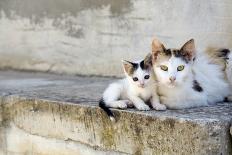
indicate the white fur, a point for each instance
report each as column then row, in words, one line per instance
column 127, row 92
column 229, row 73
column 229, row 68
column 181, row 94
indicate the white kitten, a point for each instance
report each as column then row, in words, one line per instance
column 186, row 78
column 138, row 87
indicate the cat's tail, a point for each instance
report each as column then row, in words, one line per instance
column 224, row 54
column 220, row 56
column 102, row 105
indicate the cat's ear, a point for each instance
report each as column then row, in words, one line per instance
column 128, row 67
column 188, row 50
column 157, row 48
column 148, row 61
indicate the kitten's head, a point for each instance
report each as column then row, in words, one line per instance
column 172, row 66
column 139, row 73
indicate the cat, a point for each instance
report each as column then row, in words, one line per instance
column 138, row 87
column 187, row 78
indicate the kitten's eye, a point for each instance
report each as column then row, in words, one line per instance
column 180, row 68
column 146, row 76
column 135, row 79
column 164, row 68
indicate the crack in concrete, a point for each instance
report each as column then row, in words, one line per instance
column 95, row 147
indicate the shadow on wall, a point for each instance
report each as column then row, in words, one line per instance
column 60, row 10
column 55, row 8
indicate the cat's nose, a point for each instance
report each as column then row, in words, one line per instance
column 172, row 78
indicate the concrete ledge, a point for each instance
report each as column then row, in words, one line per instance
column 47, row 114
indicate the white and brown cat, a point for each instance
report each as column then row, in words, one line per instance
column 187, row 78
column 138, row 87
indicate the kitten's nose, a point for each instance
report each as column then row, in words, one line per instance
column 141, row 84
column 172, row 78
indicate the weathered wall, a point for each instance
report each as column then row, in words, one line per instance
column 91, row 37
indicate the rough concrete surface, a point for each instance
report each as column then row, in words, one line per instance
column 55, row 114
column 91, row 37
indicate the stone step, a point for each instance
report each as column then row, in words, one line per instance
column 57, row 114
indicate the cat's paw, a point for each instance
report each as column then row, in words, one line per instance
column 159, row 107
column 143, row 107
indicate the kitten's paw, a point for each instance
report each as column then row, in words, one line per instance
column 229, row 98
column 159, row 107
column 143, row 107
column 122, row 104
column 129, row 103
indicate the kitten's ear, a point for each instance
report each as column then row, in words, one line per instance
column 128, row 67
column 157, row 47
column 148, row 61
column 188, row 50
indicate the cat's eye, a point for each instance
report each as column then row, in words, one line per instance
column 180, row 68
column 146, row 76
column 135, row 79
column 164, row 68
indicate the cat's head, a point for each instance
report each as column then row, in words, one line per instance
column 140, row 72
column 172, row 66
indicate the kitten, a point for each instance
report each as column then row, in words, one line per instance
column 135, row 89
column 186, row 78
